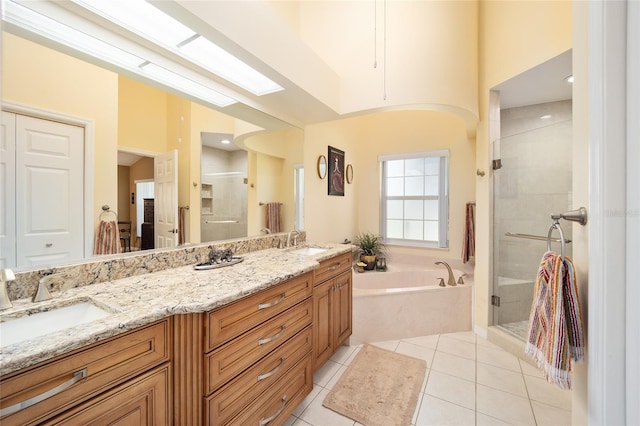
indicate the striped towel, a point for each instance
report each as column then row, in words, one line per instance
column 107, row 238
column 273, row 217
column 555, row 333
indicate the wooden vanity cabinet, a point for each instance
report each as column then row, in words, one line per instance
column 332, row 307
column 257, row 360
column 98, row 379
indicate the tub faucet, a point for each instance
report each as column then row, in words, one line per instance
column 265, row 230
column 452, row 279
column 6, row 275
column 294, row 233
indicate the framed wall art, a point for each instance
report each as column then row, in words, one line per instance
column 336, row 171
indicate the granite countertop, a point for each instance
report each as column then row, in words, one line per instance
column 143, row 299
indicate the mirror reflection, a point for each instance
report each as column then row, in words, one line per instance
column 143, row 152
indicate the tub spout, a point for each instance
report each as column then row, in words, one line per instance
column 452, row 279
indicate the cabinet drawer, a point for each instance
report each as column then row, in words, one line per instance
column 228, row 361
column 141, row 401
column 274, row 406
column 230, row 321
column 232, row 398
column 331, row 267
column 103, row 365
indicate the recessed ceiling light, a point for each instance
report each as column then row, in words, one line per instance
column 225, row 141
column 546, row 117
column 569, row 79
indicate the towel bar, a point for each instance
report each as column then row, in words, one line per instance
column 534, row 237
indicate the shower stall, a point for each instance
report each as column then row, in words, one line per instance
column 532, row 179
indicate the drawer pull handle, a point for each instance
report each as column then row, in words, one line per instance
column 274, row 303
column 333, row 267
column 274, row 337
column 263, row 421
column 77, row 376
column 274, row 371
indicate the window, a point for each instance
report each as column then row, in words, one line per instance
column 415, row 198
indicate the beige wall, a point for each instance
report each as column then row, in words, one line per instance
column 37, row 76
column 365, row 137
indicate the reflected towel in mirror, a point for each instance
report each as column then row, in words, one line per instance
column 107, row 238
column 273, row 217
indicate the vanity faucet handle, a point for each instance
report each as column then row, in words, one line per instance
column 441, row 283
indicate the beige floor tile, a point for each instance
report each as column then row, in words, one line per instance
column 414, row 419
column 434, row 411
column 290, row 421
column 325, row 373
column 466, row 336
column 342, row 354
column 336, row 377
column 353, row 355
column 300, row 422
column 484, row 420
column 541, row 391
column 317, row 415
column 307, row 401
column 484, row 342
column 501, row 379
column 547, row 415
column 426, row 341
column 504, row 406
column 416, row 351
column 498, row 358
column 454, row 365
column 389, row 345
column 452, row 389
column 530, row 370
column 457, row 347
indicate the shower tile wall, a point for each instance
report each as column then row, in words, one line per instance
column 225, row 171
column 534, row 181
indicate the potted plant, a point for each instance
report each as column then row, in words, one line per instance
column 371, row 246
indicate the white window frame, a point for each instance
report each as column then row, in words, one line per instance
column 442, row 197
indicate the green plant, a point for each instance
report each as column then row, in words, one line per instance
column 370, row 244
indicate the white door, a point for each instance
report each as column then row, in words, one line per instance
column 166, row 199
column 8, row 191
column 49, row 197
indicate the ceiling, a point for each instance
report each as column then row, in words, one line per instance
column 543, row 83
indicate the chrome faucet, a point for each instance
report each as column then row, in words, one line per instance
column 6, row 275
column 452, row 279
column 43, row 292
column 295, row 234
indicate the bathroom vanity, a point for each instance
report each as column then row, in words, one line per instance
column 236, row 345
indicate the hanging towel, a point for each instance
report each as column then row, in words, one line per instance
column 273, row 217
column 469, row 237
column 555, row 334
column 181, row 219
column 107, row 239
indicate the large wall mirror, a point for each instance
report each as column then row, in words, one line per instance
column 126, row 124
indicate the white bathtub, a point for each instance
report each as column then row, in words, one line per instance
column 406, row 301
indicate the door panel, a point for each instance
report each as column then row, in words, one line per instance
column 8, row 190
column 166, row 199
column 49, row 191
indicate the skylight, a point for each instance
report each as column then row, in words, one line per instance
column 146, row 20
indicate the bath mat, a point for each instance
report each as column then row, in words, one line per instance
column 379, row 388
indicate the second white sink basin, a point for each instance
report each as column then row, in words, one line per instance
column 309, row 250
column 42, row 323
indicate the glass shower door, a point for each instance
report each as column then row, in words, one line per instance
column 533, row 181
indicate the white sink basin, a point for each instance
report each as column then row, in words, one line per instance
column 42, row 323
column 309, row 250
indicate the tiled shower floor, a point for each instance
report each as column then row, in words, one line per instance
column 469, row 381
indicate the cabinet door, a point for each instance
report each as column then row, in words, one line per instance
column 322, row 322
column 142, row 401
column 342, row 308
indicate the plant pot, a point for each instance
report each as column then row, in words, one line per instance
column 369, row 260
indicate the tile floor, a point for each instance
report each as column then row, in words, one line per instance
column 469, row 381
